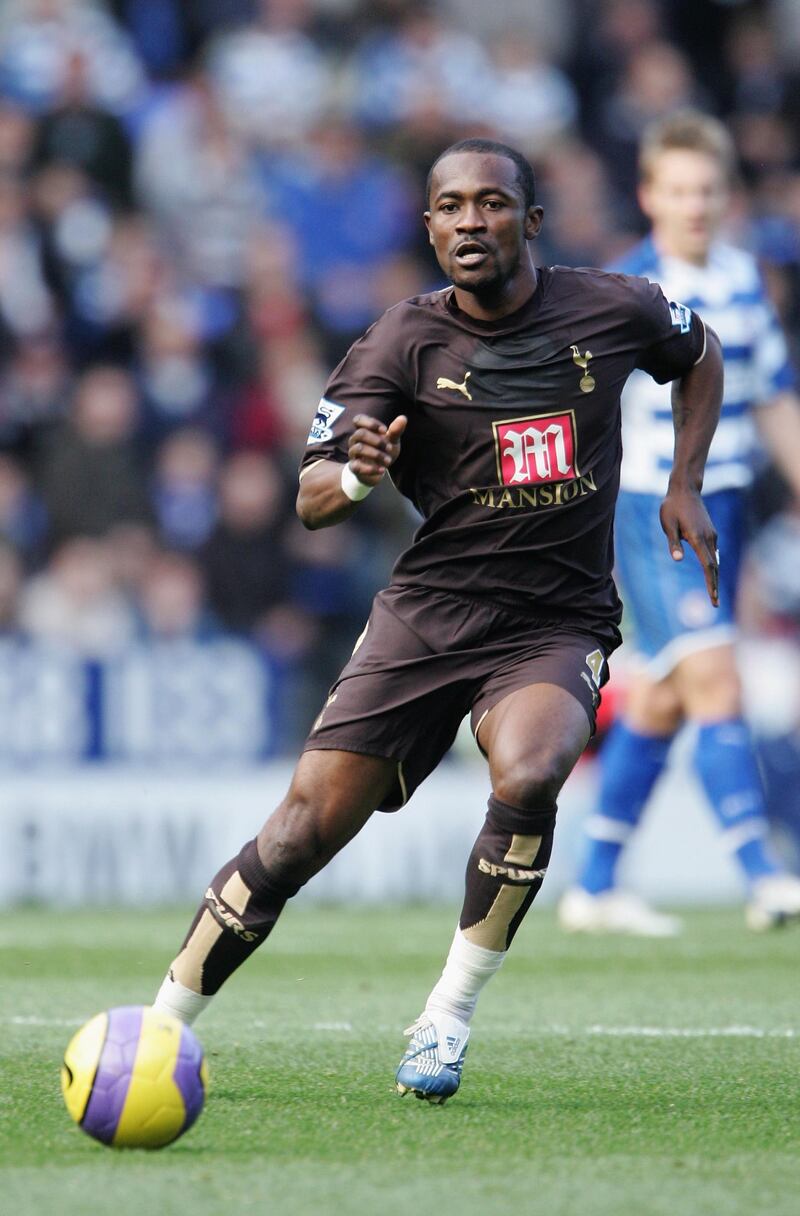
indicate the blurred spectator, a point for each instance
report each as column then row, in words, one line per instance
column 79, row 132
column 349, row 211
column 333, row 580
column 132, row 547
column 37, row 38
column 271, row 79
column 760, row 81
column 276, row 307
column 582, row 209
column 74, row 602
column 158, row 29
column 23, row 519
column 657, row 80
column 11, row 582
column 172, row 603
column 184, row 489
column 255, row 412
column 700, row 29
column 33, row 391
column 285, row 372
column 549, row 23
column 174, row 370
column 531, row 102
column 113, row 293
column 423, row 70
column 245, row 560
column 608, row 33
column 206, row 17
column 89, row 471
column 26, row 307
column 196, row 175
column 770, row 597
column 75, row 227
column 16, row 138
column 766, row 143
column 298, row 377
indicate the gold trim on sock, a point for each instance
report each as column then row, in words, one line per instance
column 187, row 968
column 491, row 932
column 523, row 850
column 236, row 893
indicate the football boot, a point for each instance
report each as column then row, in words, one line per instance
column 432, row 1064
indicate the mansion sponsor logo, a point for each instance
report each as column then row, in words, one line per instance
column 536, row 450
column 499, row 498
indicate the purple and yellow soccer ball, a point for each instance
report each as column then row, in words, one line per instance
column 133, row 1077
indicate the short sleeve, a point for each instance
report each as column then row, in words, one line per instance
column 372, row 379
column 673, row 337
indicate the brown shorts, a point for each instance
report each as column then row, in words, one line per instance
column 427, row 658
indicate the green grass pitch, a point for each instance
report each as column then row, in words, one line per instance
column 605, row 1076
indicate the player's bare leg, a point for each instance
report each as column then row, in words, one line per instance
column 331, row 797
column 533, row 739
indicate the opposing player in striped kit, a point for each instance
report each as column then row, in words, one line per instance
column 687, row 670
column 493, row 405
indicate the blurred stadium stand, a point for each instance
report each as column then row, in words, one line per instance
column 202, row 203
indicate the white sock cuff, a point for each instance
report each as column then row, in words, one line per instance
column 463, row 950
column 467, row 969
column 175, row 998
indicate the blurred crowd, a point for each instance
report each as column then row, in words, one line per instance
column 203, row 202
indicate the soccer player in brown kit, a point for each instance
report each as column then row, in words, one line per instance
column 493, row 405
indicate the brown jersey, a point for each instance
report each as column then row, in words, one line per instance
column 512, row 449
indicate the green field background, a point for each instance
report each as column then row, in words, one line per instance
column 606, row 1077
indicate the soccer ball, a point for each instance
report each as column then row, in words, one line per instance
column 134, row 1077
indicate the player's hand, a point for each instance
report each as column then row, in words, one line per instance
column 374, row 447
column 685, row 518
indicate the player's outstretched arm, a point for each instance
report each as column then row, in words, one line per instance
column 696, row 401
column 329, row 491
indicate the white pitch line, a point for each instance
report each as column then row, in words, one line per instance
column 33, row 1020
column 595, row 1030
column 679, row 1032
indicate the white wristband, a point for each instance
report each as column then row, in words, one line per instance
column 352, row 487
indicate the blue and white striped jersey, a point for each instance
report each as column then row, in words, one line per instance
column 728, row 293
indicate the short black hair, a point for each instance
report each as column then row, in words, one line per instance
column 525, row 176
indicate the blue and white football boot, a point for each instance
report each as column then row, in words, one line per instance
column 431, row 1067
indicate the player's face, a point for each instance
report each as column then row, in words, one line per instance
column 685, row 199
column 478, row 222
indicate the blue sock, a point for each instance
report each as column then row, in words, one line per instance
column 726, row 763
column 630, row 765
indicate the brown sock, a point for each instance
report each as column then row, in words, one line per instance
column 505, row 871
column 239, row 910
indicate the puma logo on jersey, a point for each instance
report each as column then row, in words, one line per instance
column 587, row 382
column 443, row 382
